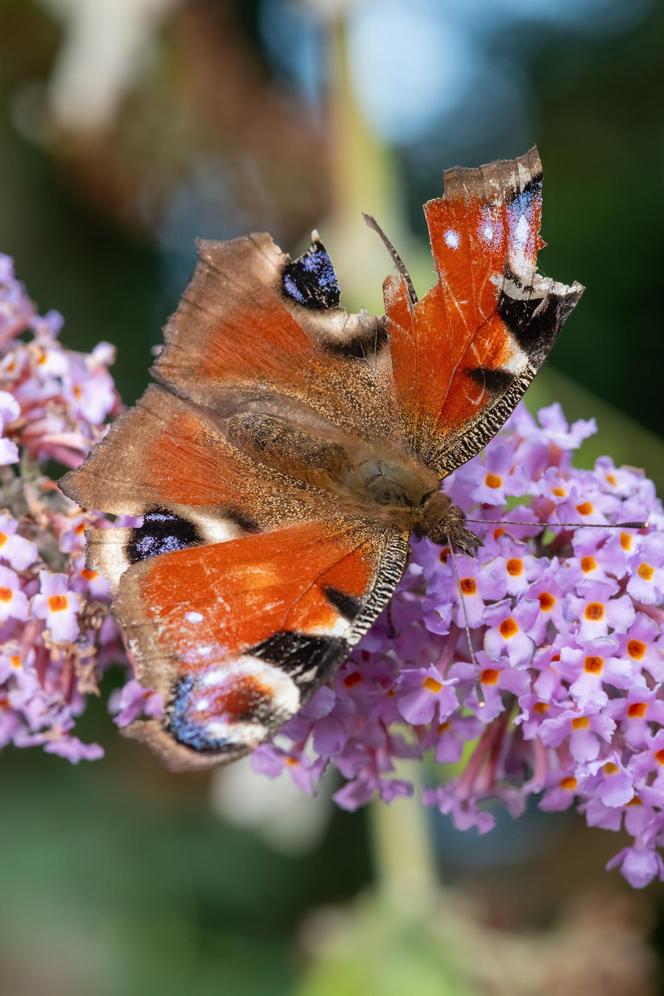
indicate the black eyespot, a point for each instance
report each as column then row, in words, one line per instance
column 311, row 281
column 162, row 532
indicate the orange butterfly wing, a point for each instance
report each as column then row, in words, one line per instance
column 238, row 635
column 237, row 339
column 463, row 356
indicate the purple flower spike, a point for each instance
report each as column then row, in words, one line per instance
column 56, row 634
column 560, row 694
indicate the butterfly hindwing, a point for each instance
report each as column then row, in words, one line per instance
column 238, row 635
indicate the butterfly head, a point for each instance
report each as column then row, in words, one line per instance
column 443, row 522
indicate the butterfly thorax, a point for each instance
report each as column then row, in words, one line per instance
column 378, row 480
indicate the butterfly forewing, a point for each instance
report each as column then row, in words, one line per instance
column 463, row 356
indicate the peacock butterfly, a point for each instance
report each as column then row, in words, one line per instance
column 289, row 449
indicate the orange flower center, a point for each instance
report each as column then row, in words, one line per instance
column 610, row 768
column 6, row 594
column 468, row 586
column 588, row 564
column 612, row 479
column 547, row 601
column 432, row 685
column 594, row 611
column 659, row 756
column 593, row 665
column 354, row 678
column 493, row 480
column 497, row 533
column 541, row 707
column 88, row 574
column 569, row 783
column 585, row 508
column 636, row 649
column 444, row 554
column 637, row 710
column 3, row 538
column 559, row 492
column 489, row 676
column 57, row 603
column 626, row 541
column 646, row 571
column 580, row 723
column 508, row 628
column 515, row 567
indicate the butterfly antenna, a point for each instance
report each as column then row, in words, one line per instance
column 396, row 258
column 566, row 525
column 466, row 624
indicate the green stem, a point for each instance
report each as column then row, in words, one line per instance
column 404, row 858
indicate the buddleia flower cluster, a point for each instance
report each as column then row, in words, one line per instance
column 533, row 669
column 538, row 663
column 56, row 633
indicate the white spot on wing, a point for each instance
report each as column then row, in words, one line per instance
column 452, row 239
column 339, row 627
column 516, row 362
column 193, row 617
column 213, row 528
column 522, row 231
column 242, row 734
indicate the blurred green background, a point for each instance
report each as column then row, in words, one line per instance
column 128, row 128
